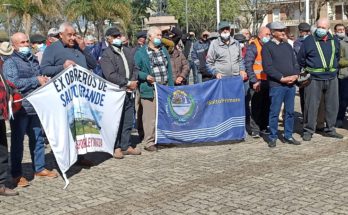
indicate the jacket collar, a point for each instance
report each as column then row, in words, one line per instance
column 221, row 43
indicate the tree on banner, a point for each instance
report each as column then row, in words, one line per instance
column 212, row 111
column 80, row 113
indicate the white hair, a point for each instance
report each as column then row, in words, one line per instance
column 63, row 26
column 152, row 30
column 323, row 21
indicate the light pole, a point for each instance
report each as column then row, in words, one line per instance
column 186, row 16
column 8, row 19
column 217, row 13
column 307, row 11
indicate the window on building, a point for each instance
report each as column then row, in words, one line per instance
column 338, row 12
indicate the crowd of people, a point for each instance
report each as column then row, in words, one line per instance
column 272, row 65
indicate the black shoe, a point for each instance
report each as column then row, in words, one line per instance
column 292, row 141
column 307, row 137
column 272, row 143
column 265, row 132
column 333, row 134
column 255, row 134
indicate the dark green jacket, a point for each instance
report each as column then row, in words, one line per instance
column 343, row 73
column 142, row 60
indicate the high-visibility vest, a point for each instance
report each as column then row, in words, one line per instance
column 325, row 68
column 257, row 67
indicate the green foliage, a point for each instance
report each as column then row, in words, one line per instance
column 202, row 14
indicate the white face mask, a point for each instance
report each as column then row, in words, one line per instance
column 341, row 35
column 225, row 36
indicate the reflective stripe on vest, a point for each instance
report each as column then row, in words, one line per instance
column 323, row 60
column 257, row 66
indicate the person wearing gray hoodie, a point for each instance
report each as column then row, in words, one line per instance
column 224, row 56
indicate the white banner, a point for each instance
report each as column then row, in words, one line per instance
column 80, row 113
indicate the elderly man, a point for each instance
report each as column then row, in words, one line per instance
column 259, row 86
column 22, row 69
column 279, row 64
column 200, row 46
column 5, row 95
column 70, row 49
column 340, row 33
column 225, row 55
column 52, row 36
column 319, row 55
column 153, row 61
column 118, row 67
column 246, row 34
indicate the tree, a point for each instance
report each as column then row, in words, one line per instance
column 202, row 14
column 96, row 12
column 26, row 9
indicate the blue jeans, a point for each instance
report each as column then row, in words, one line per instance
column 278, row 95
column 197, row 77
column 30, row 125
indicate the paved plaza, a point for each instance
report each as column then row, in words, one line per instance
column 226, row 178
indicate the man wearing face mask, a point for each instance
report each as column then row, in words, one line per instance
column 22, row 69
column 117, row 63
column 38, row 45
column 225, row 55
column 319, row 55
column 340, row 33
column 279, row 64
column 153, row 61
column 199, row 46
column 70, row 49
column 259, row 86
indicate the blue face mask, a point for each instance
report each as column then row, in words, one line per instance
column 41, row 47
column 117, row 42
column 24, row 50
column 265, row 40
column 157, row 42
column 321, row 32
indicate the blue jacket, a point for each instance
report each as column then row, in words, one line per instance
column 56, row 54
column 97, row 52
column 198, row 47
column 308, row 56
column 297, row 44
column 142, row 60
column 249, row 61
column 23, row 72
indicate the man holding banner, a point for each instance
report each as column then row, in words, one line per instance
column 22, row 69
column 69, row 50
column 153, row 61
column 117, row 63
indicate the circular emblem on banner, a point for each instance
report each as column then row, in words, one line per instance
column 181, row 106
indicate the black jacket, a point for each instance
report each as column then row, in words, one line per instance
column 114, row 69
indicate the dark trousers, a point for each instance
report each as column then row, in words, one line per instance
column 278, row 95
column 3, row 153
column 313, row 94
column 260, row 104
column 343, row 102
column 126, row 123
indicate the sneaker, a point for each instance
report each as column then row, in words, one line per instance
column 272, row 143
column 333, row 134
column 307, row 137
column 339, row 124
column 118, row 153
column 292, row 141
column 20, row 181
column 255, row 134
column 265, row 132
column 4, row 191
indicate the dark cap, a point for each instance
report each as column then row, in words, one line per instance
column 141, row 34
column 224, row 24
column 112, row 32
column 304, row 27
column 37, row 38
column 240, row 38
